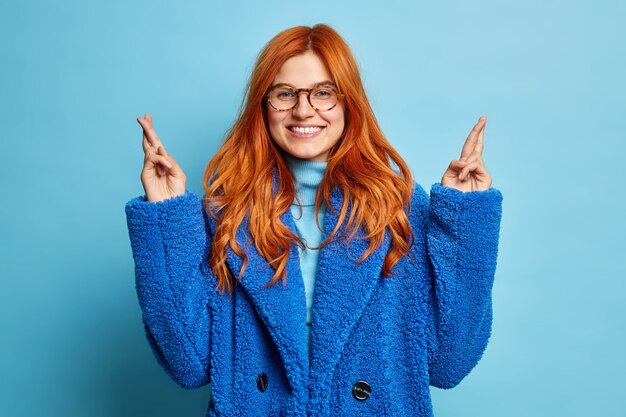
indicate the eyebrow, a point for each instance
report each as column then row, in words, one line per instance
column 321, row 83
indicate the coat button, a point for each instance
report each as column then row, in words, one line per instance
column 361, row 390
column 261, row 382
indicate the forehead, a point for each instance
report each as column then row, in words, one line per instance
column 303, row 71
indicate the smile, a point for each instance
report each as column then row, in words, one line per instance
column 308, row 131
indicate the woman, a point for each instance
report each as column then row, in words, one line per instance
column 383, row 289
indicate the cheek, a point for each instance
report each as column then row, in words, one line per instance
column 274, row 120
column 337, row 119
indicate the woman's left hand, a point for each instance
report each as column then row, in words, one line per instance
column 469, row 173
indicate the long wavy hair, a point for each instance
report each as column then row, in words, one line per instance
column 238, row 180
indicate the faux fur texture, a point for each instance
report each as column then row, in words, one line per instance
column 427, row 325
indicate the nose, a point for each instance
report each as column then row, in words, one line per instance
column 303, row 108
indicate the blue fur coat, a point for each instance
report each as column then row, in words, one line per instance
column 377, row 343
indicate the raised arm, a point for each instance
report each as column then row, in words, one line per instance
column 462, row 244
column 170, row 242
column 462, row 222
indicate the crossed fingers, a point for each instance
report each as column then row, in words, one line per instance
column 473, row 162
column 151, row 141
column 152, row 146
column 475, row 140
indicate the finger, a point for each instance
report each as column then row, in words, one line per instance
column 163, row 149
column 474, row 156
column 161, row 168
column 151, row 134
column 145, row 144
column 148, row 119
column 457, row 165
column 148, row 129
column 147, row 148
column 480, row 141
column 160, row 151
column 146, row 124
column 476, row 166
column 470, row 142
column 153, row 160
column 157, row 143
column 176, row 171
column 472, row 138
column 455, row 168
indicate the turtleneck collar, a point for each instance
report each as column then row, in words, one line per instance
column 307, row 176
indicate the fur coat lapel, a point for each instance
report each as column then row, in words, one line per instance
column 342, row 290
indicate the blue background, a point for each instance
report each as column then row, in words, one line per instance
column 549, row 76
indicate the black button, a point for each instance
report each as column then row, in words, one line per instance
column 261, row 382
column 361, row 390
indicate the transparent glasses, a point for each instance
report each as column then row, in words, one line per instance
column 283, row 97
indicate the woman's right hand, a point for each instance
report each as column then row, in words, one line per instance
column 162, row 177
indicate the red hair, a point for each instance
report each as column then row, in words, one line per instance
column 238, row 179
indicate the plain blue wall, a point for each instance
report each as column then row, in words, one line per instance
column 549, row 76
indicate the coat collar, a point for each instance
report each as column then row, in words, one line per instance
column 342, row 290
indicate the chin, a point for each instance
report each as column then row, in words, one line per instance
column 306, row 155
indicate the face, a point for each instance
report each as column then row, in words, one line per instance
column 286, row 127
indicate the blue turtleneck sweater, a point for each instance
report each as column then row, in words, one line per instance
column 307, row 176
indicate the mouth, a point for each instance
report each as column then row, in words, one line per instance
column 305, row 131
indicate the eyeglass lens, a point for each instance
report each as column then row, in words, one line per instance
column 322, row 98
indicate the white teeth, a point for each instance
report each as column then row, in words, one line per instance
column 305, row 130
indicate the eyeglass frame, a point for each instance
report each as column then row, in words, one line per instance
column 298, row 91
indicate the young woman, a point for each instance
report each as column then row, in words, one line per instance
column 315, row 277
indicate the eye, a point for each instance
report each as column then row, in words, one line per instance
column 323, row 93
column 283, row 94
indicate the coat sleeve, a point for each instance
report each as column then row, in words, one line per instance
column 169, row 241
column 461, row 236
